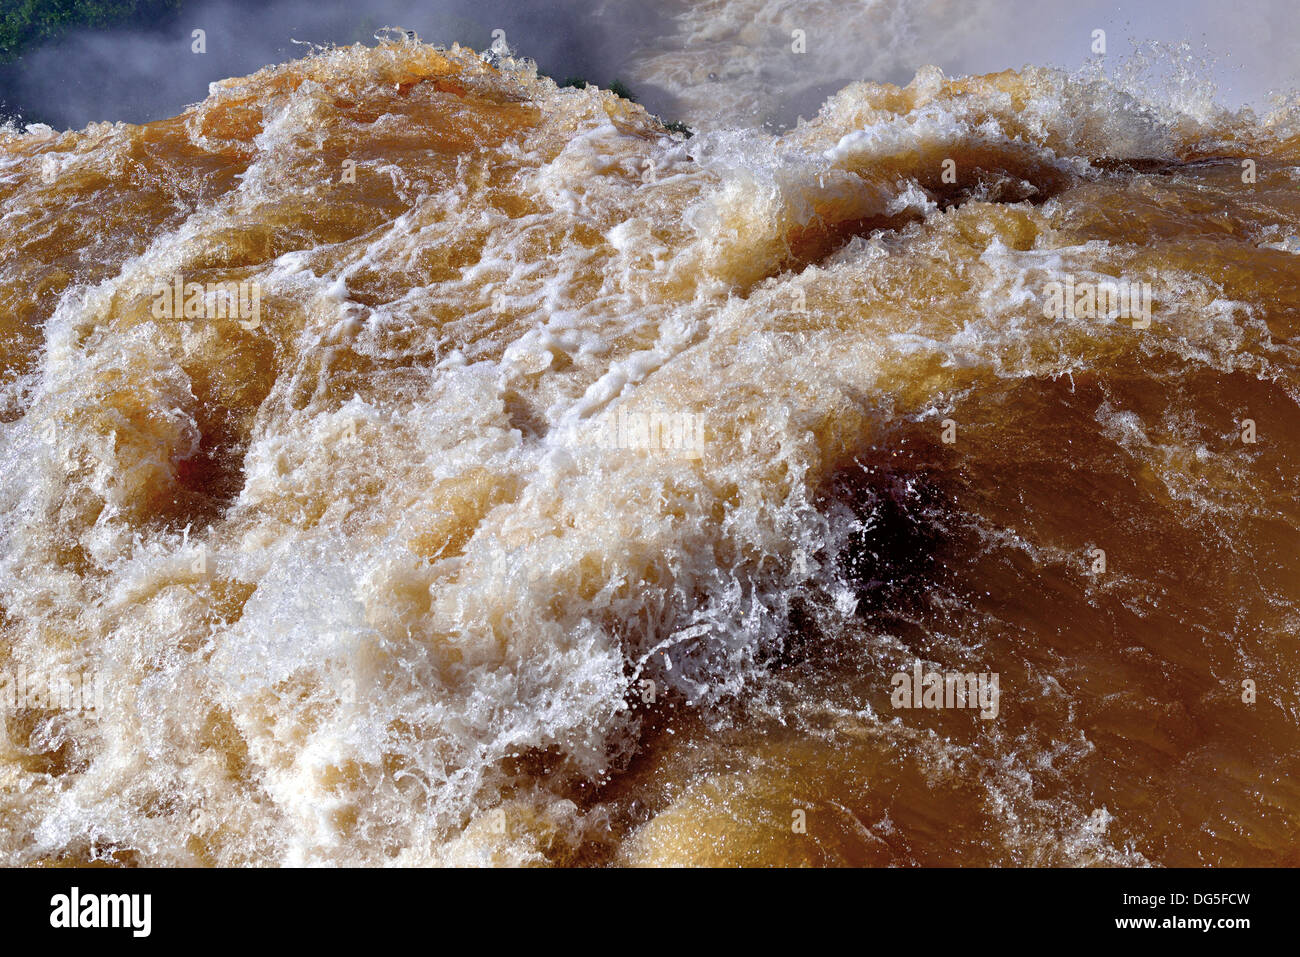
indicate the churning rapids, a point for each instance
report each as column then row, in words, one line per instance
column 427, row 464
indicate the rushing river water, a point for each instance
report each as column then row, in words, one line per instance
column 422, row 463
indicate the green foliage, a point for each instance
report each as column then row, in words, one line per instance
column 577, row 81
column 676, row 126
column 619, row 88
column 27, row 23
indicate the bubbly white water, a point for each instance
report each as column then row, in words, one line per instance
column 368, row 580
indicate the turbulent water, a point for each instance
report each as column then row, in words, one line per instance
column 388, row 569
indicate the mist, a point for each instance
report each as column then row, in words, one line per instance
column 704, row 62
column 139, row 75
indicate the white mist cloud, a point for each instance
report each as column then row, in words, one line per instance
column 708, row 61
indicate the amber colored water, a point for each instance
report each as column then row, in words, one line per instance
column 364, row 585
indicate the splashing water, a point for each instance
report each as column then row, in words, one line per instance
column 575, row 489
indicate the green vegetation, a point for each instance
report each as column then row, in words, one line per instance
column 27, row 23
column 619, row 88
column 679, row 127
